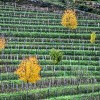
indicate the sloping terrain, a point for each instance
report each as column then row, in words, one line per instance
column 32, row 32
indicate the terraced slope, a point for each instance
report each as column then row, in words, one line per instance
column 29, row 33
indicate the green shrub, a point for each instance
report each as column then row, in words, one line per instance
column 56, row 55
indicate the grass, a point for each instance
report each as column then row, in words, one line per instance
column 43, row 93
column 77, row 97
column 12, row 76
column 42, row 26
column 46, row 34
column 40, row 57
column 43, row 19
column 59, row 67
column 28, row 12
column 43, row 51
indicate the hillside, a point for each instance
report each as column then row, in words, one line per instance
column 34, row 31
column 92, row 6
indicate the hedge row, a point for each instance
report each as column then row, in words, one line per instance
column 41, row 46
column 49, row 62
column 49, row 34
column 45, row 52
column 56, row 67
column 43, row 19
column 45, row 26
column 12, row 76
column 52, row 92
column 88, row 96
column 47, row 57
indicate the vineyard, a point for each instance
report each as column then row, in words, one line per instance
column 33, row 32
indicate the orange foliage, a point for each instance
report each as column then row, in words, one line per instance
column 69, row 19
column 2, row 43
column 29, row 70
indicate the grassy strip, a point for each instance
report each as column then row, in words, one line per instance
column 73, row 43
column 49, row 62
column 47, row 39
column 42, row 46
column 59, row 67
column 52, row 92
column 44, row 51
column 44, row 83
column 45, row 22
column 39, row 16
column 48, row 47
column 31, row 16
column 12, row 76
column 49, row 30
column 56, row 43
column 29, row 12
column 87, row 96
column 28, row 19
column 40, row 39
column 42, row 26
column 47, row 57
column 16, row 81
column 48, row 35
column 43, row 19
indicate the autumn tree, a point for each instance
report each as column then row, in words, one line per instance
column 2, row 43
column 69, row 19
column 93, row 37
column 28, row 70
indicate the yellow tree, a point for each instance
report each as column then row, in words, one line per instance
column 2, row 43
column 69, row 19
column 93, row 37
column 28, row 70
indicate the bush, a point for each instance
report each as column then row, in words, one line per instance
column 56, row 55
